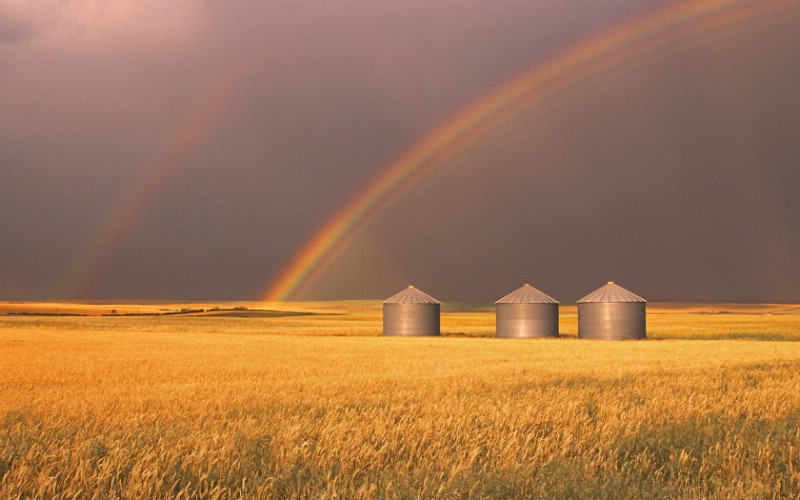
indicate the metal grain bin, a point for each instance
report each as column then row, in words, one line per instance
column 612, row 313
column 527, row 313
column 410, row 313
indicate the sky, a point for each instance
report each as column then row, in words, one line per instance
column 190, row 149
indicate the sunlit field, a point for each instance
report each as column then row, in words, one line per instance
column 242, row 400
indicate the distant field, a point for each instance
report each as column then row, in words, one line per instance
column 242, row 402
column 363, row 318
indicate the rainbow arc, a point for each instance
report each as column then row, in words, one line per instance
column 577, row 64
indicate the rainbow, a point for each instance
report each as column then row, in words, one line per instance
column 614, row 47
column 97, row 255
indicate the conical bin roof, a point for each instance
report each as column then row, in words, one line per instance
column 611, row 292
column 411, row 295
column 527, row 294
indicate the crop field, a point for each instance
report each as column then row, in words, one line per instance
column 269, row 400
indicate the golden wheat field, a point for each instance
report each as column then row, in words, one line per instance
column 234, row 400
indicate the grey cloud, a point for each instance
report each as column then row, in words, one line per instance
column 14, row 29
column 670, row 157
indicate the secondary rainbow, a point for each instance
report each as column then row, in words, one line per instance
column 614, row 47
column 133, row 204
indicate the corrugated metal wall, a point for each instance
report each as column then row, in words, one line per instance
column 527, row 320
column 411, row 320
column 612, row 320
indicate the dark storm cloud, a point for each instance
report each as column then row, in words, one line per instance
column 334, row 92
column 660, row 175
